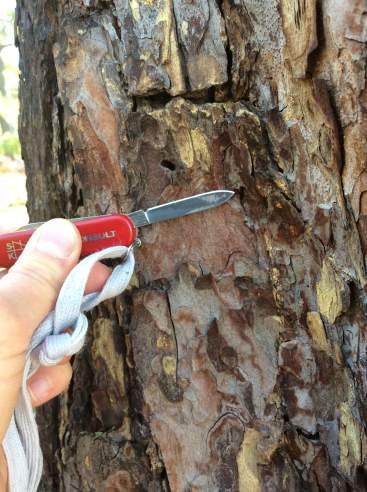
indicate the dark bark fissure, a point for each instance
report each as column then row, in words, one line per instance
column 142, row 439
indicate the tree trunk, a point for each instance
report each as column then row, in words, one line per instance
column 237, row 360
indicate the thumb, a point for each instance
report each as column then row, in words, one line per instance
column 29, row 290
column 27, row 294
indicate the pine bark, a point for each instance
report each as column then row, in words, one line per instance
column 237, row 359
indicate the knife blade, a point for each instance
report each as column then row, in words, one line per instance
column 180, row 208
column 103, row 231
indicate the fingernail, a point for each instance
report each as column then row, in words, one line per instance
column 39, row 389
column 57, row 238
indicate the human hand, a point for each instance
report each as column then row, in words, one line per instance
column 28, row 292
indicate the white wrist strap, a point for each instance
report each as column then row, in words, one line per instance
column 49, row 345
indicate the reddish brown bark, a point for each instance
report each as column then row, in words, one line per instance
column 237, row 360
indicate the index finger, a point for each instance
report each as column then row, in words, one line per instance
column 96, row 281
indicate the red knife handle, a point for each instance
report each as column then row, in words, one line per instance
column 97, row 233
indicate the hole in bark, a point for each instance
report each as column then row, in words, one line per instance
column 308, row 435
column 314, row 56
column 204, row 282
column 168, row 165
column 361, row 476
column 80, row 202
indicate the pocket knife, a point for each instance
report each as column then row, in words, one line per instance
column 103, row 231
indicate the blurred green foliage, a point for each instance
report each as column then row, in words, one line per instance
column 9, row 142
column 9, row 145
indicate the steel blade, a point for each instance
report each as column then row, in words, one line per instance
column 180, row 208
